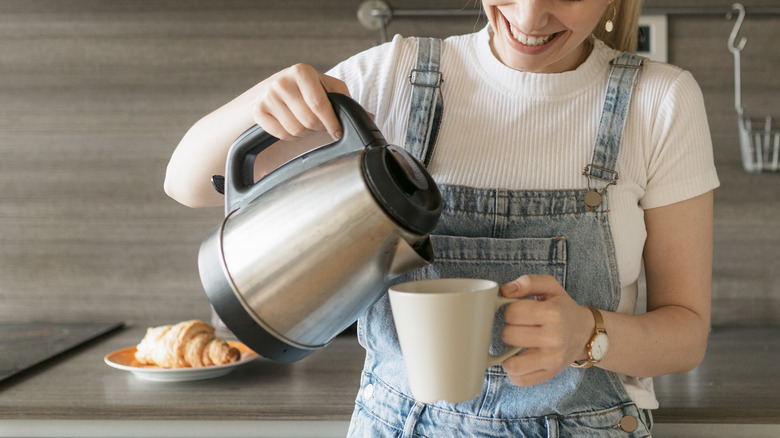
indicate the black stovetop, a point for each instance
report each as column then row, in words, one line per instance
column 26, row 344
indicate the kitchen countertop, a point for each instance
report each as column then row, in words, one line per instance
column 314, row 397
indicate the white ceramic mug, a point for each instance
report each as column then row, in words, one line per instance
column 444, row 328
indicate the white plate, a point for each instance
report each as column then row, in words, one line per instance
column 124, row 360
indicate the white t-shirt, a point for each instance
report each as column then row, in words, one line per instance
column 536, row 132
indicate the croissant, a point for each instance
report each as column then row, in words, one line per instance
column 186, row 344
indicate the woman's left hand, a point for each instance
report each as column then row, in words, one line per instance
column 552, row 328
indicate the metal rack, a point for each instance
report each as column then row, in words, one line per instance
column 759, row 142
column 377, row 15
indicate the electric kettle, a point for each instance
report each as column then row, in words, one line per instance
column 305, row 250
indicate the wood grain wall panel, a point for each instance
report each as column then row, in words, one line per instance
column 94, row 96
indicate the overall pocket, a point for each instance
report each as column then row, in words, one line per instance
column 500, row 260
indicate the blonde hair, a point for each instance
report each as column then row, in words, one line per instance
column 626, row 21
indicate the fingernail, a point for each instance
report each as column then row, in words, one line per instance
column 509, row 288
column 338, row 134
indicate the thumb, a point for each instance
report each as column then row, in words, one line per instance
column 539, row 286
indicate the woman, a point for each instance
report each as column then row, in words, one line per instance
column 529, row 102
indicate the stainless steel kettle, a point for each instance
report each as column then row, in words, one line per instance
column 306, row 249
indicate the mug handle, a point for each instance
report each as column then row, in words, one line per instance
column 495, row 360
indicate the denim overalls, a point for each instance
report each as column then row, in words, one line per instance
column 499, row 235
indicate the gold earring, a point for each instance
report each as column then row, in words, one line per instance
column 609, row 26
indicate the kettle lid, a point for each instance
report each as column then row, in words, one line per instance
column 403, row 188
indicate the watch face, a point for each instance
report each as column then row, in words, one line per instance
column 599, row 346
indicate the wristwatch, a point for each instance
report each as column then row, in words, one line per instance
column 597, row 345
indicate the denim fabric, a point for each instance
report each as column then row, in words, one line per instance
column 500, row 235
column 382, row 411
column 426, row 79
column 613, row 116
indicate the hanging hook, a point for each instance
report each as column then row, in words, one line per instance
column 740, row 9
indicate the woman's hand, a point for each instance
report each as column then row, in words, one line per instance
column 552, row 328
column 293, row 103
column 289, row 105
column 671, row 337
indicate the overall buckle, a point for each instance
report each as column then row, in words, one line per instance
column 426, row 78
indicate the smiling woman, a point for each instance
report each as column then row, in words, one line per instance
column 531, row 100
column 554, row 36
column 543, row 36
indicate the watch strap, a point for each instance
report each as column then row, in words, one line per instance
column 599, row 320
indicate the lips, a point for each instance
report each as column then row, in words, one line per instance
column 528, row 42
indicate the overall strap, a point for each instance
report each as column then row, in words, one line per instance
column 622, row 78
column 426, row 108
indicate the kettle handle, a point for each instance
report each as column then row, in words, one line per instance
column 240, row 187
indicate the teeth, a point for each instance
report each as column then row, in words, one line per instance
column 530, row 40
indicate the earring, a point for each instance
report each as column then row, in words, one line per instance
column 609, row 26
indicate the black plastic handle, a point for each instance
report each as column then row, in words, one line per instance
column 240, row 186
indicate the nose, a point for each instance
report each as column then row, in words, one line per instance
column 530, row 16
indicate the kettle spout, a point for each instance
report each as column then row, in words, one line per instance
column 410, row 257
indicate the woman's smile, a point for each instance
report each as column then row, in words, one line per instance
column 526, row 42
column 542, row 36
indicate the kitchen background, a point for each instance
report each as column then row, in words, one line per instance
column 95, row 95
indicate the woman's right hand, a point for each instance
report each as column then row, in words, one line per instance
column 290, row 105
column 293, row 103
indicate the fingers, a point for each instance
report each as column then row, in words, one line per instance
column 531, row 325
column 546, row 350
column 529, row 313
column 530, row 368
column 535, row 336
column 319, row 106
column 538, row 286
column 293, row 103
column 552, row 328
column 276, row 117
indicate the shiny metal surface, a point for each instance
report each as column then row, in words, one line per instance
column 310, row 255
